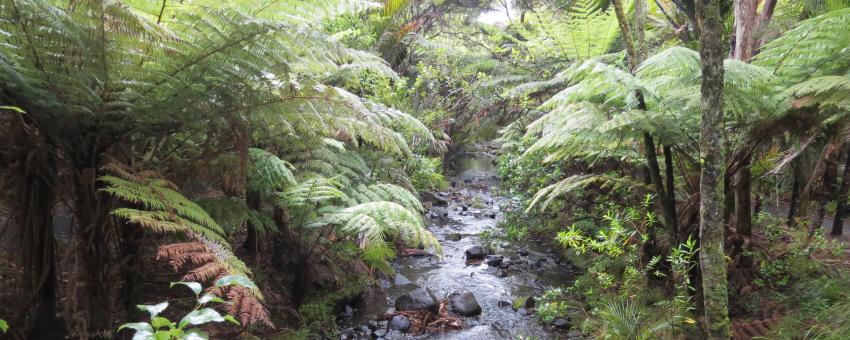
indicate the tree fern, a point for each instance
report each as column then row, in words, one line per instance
column 586, row 31
column 268, row 172
column 375, row 222
column 162, row 209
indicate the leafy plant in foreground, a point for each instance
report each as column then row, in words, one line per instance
column 161, row 328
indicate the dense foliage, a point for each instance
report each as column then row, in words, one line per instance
column 282, row 145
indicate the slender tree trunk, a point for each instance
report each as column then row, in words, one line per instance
column 712, row 255
column 841, row 197
column 254, row 201
column 793, row 204
column 670, row 195
column 633, row 56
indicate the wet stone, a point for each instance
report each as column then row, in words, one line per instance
column 561, row 323
column 503, row 304
column 454, row 237
column 400, row 323
column 475, row 253
column 494, row 260
column 522, row 311
column 347, row 312
column 523, row 252
column 418, row 299
column 464, row 303
column 379, row 333
column 400, row 280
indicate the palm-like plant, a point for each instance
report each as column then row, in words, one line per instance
column 597, row 116
column 175, row 82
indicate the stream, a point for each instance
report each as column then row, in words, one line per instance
column 472, row 207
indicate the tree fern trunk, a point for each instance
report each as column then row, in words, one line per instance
column 633, row 56
column 841, row 197
column 794, row 201
column 93, row 219
column 254, row 201
column 34, row 215
column 712, row 256
column 670, row 195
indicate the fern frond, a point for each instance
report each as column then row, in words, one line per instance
column 164, row 210
column 268, row 172
column 567, row 185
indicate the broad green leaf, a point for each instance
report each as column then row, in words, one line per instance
column 235, row 280
column 163, row 335
column 5, row 326
column 210, row 298
column 154, row 310
column 196, row 334
column 144, row 331
column 200, row 317
column 159, row 322
column 194, row 286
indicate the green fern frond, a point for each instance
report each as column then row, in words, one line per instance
column 315, row 190
column 815, row 47
column 375, row 222
column 268, row 172
column 550, row 193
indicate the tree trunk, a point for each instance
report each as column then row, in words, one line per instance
column 795, row 197
column 34, row 215
column 712, row 255
column 670, row 195
column 745, row 20
column 841, row 197
column 92, row 212
column 742, row 190
column 254, row 201
column 633, row 56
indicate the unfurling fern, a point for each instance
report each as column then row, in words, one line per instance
column 156, row 204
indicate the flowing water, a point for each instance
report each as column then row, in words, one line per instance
column 474, row 181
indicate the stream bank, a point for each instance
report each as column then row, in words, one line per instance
column 458, row 216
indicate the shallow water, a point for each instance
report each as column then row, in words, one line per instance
column 474, row 178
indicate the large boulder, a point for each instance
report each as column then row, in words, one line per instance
column 464, row 303
column 417, row 299
column 475, row 253
column 436, row 200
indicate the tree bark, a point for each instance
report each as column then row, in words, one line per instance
column 743, row 211
column 795, row 196
column 34, row 215
column 670, row 195
column 712, row 255
column 745, row 21
column 841, row 197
